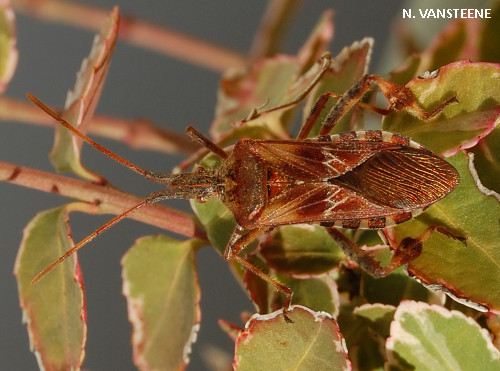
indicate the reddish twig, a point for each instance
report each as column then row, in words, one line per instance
column 106, row 199
column 138, row 133
column 135, row 31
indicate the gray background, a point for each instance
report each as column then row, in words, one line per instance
column 169, row 92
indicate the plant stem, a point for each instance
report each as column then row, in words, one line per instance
column 106, row 198
column 138, row 133
column 136, row 31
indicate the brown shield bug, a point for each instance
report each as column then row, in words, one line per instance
column 362, row 179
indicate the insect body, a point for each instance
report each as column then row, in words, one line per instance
column 363, row 179
column 370, row 179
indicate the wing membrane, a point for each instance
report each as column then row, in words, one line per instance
column 405, row 178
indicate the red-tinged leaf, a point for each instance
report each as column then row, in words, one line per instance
column 230, row 328
column 347, row 68
column 311, row 342
column 264, row 85
column 8, row 44
column 317, row 42
column 268, row 83
column 53, row 308
column 82, row 101
column 459, row 125
column 449, row 45
column 430, row 337
column 405, row 72
column 468, row 273
column 160, row 283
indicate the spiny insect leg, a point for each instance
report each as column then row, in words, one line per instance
column 410, row 248
column 355, row 253
column 399, row 97
column 320, row 105
column 407, row 250
column 239, row 242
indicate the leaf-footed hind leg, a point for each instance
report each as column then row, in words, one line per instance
column 408, row 249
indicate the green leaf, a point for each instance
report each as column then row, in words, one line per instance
column 160, row 283
column 467, row 272
column 365, row 345
column 379, row 316
column 301, row 249
column 311, row 342
column 218, row 221
column 54, row 307
column 429, row 337
column 82, row 101
column 393, row 288
column 487, row 160
column 8, row 47
column 319, row 293
column 462, row 124
column 347, row 68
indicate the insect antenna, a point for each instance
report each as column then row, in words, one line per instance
column 93, row 143
column 192, row 189
column 151, row 199
column 86, row 240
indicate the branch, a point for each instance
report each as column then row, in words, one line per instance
column 138, row 133
column 106, row 199
column 135, row 31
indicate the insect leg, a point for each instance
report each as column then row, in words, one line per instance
column 320, row 105
column 355, row 253
column 399, row 97
column 237, row 243
column 407, row 250
column 410, row 248
column 327, row 60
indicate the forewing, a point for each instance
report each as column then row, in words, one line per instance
column 320, row 202
column 315, row 160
